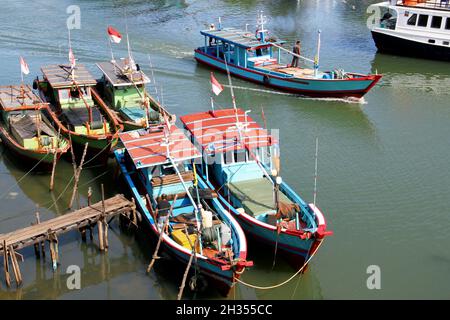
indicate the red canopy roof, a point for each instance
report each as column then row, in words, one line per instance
column 217, row 131
column 148, row 147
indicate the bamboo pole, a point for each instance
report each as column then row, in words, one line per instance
column 161, row 234
column 52, row 177
column 77, row 175
column 186, row 272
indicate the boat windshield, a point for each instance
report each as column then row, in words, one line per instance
column 388, row 18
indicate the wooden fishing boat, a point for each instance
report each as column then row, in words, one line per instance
column 238, row 158
column 25, row 129
column 257, row 58
column 157, row 161
column 123, row 89
column 82, row 114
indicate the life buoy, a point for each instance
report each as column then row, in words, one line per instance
column 266, row 79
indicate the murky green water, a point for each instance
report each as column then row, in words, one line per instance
column 383, row 165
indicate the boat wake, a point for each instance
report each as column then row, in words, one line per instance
column 354, row 100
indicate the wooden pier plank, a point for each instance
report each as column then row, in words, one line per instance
column 74, row 220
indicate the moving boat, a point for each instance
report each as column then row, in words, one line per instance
column 238, row 156
column 257, row 58
column 159, row 161
column 25, row 129
column 123, row 89
column 418, row 28
column 83, row 115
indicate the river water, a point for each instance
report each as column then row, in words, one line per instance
column 383, row 163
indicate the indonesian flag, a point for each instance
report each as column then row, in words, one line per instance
column 24, row 66
column 114, row 35
column 72, row 58
column 217, row 88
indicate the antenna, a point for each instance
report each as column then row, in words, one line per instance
column 130, row 57
column 315, row 171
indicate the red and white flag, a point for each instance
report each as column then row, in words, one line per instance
column 24, row 66
column 217, row 88
column 114, row 35
column 72, row 58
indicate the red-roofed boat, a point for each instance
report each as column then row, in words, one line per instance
column 241, row 162
column 159, row 161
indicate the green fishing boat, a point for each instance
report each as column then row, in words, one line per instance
column 122, row 86
column 25, row 129
column 83, row 116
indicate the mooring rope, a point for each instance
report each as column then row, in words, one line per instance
column 284, row 282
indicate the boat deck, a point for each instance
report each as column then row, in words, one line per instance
column 295, row 72
column 256, row 195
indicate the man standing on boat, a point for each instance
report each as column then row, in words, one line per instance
column 295, row 50
column 163, row 211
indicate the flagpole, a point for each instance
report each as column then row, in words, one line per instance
column 112, row 54
column 232, row 96
column 70, row 50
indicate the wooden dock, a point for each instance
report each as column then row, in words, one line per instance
column 99, row 214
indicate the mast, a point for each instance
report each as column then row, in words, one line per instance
column 315, row 171
column 317, row 58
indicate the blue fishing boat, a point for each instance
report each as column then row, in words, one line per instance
column 241, row 162
column 157, row 164
column 256, row 57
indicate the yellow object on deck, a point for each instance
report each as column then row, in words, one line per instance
column 181, row 238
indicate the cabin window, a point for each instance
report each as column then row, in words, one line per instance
column 228, row 157
column 447, row 24
column 239, row 156
column 423, row 20
column 63, row 94
column 436, row 22
column 412, row 20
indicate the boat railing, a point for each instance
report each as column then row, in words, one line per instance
column 428, row 4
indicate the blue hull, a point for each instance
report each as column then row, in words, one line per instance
column 222, row 280
column 337, row 88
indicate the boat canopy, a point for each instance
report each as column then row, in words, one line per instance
column 238, row 37
column 19, row 97
column 59, row 76
column 119, row 74
column 149, row 147
column 217, row 131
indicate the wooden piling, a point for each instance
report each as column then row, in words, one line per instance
column 6, row 264
column 106, row 237
column 83, row 234
column 77, row 174
column 100, row 235
column 15, row 266
column 52, row 177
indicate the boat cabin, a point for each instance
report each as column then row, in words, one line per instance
column 240, row 158
column 240, row 48
column 153, row 159
column 71, row 91
column 21, row 116
column 124, row 90
column 430, row 17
